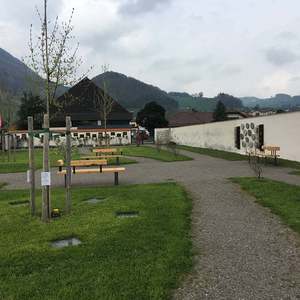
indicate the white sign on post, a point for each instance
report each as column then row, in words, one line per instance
column 45, row 178
column 28, row 176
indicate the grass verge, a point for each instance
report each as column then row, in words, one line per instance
column 119, row 258
column 214, row 153
column 2, row 184
column 283, row 199
column 295, row 173
column 21, row 160
column 151, row 152
column 235, row 157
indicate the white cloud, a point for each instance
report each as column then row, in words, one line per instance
column 192, row 45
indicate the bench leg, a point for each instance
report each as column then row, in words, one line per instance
column 116, row 178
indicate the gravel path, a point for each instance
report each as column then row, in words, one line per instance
column 242, row 250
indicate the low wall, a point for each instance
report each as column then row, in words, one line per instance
column 281, row 130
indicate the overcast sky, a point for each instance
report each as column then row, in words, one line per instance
column 241, row 47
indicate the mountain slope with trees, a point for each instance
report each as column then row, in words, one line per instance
column 279, row 101
column 186, row 102
column 200, row 103
column 132, row 93
column 15, row 76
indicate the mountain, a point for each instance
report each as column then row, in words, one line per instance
column 187, row 102
column 200, row 103
column 132, row 93
column 15, row 76
column 279, row 101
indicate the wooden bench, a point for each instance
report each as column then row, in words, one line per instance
column 90, row 163
column 271, row 152
column 116, row 156
column 106, row 151
column 266, row 152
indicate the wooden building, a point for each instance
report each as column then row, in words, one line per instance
column 87, row 120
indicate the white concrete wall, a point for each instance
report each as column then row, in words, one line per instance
column 282, row 130
column 81, row 139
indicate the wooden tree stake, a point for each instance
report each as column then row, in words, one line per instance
column 31, row 165
column 46, row 207
column 68, row 165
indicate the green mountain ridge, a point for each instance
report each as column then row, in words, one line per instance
column 132, row 93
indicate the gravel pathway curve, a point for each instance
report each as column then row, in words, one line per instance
column 242, row 250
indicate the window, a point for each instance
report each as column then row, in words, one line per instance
column 238, row 137
column 88, row 134
column 261, row 136
column 75, row 134
column 112, row 133
column 81, row 136
column 119, row 135
column 124, row 133
column 94, row 135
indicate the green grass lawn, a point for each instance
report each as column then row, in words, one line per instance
column 151, row 152
column 21, row 163
column 2, row 184
column 119, row 258
column 122, row 161
column 235, row 156
column 214, row 153
column 295, row 173
column 283, row 199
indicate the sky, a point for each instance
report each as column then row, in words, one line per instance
column 240, row 47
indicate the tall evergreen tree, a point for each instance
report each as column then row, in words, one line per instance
column 152, row 116
column 31, row 106
column 220, row 112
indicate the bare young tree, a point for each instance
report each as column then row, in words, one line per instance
column 54, row 59
column 104, row 103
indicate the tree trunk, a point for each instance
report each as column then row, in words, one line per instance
column 8, row 146
column 14, row 146
column 105, row 132
column 46, row 209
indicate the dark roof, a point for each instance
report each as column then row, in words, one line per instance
column 78, row 102
column 185, row 118
column 237, row 112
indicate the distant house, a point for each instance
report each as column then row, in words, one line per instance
column 234, row 115
column 262, row 112
column 186, row 118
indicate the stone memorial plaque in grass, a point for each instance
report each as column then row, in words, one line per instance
column 19, row 202
column 95, row 200
column 127, row 214
column 72, row 241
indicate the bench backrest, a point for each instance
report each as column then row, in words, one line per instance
column 85, row 163
column 107, row 150
column 272, row 149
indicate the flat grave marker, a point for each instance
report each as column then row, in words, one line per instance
column 127, row 214
column 72, row 241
